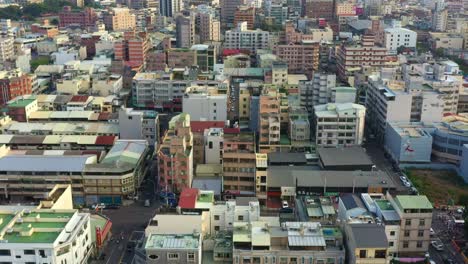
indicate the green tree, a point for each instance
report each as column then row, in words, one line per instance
column 439, row 52
column 54, row 22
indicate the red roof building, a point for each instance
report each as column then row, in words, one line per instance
column 188, row 198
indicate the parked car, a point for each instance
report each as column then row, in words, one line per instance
column 113, row 206
column 403, row 179
column 407, row 184
column 98, row 206
column 438, row 245
column 147, row 203
column 285, row 204
column 432, row 232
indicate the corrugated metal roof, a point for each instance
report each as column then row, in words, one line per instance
column 306, row 241
column 5, row 139
column 52, row 139
column 43, row 163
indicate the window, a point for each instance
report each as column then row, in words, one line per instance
column 392, row 233
column 172, row 256
column 216, row 217
column 380, row 254
column 408, row 222
column 407, row 233
column 153, row 256
column 42, row 253
column 422, row 222
column 190, row 257
column 419, row 244
column 210, row 144
column 362, row 253
column 405, row 244
column 240, row 218
column 391, row 244
column 420, row 233
column 216, row 228
column 5, row 252
column 29, row 252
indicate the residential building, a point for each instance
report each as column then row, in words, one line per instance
column 119, row 19
column 397, row 37
column 14, row 84
column 112, row 178
column 159, row 248
column 261, row 177
column 214, row 138
column 208, row 27
column 319, row 9
column 46, row 235
column 169, row 8
column 301, row 57
column 239, row 162
column 185, row 31
column 277, row 13
column 269, row 117
column 133, row 48
column 416, row 220
column 84, row 19
column 204, row 103
column 388, row 216
column 366, row 243
column 20, row 108
column 339, row 124
column 367, row 53
column 224, row 214
column 279, row 73
column 205, row 57
column 299, row 126
column 318, row 90
column 45, row 29
column 244, row 39
column 139, row 124
column 288, row 242
column 439, row 17
column 175, row 155
column 245, row 14
column 6, row 49
column 408, row 142
column 199, row 141
column 446, row 41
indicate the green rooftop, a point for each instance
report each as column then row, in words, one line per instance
column 331, row 232
column 284, row 140
column 413, row 202
column 36, row 237
column 49, row 215
column 21, row 102
column 384, row 205
column 205, row 197
column 5, row 220
column 97, row 221
column 27, row 225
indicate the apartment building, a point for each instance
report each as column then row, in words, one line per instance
column 185, row 31
column 319, row 9
column 214, row 138
column 227, row 11
column 239, row 162
column 365, row 53
column 245, row 14
column 289, row 242
column 6, row 49
column 205, row 57
column 396, row 37
column 46, row 29
column 13, row 84
column 339, row 124
column 119, row 19
column 85, row 18
column 169, row 8
column 242, row 209
column 160, row 248
column 302, row 57
column 139, row 124
column 204, row 103
column 446, row 41
column 366, row 243
column 439, row 17
column 133, row 48
column 175, row 155
column 416, row 220
column 208, row 27
column 112, row 178
column 46, row 236
column 269, row 117
column 318, row 90
column 19, row 109
column 244, row 39
column 261, row 177
column 298, row 125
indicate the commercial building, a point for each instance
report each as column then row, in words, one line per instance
column 133, row 48
column 408, row 142
column 244, row 39
column 339, row 124
column 185, row 31
column 175, row 155
column 228, row 9
column 366, row 53
column 302, row 57
column 209, row 27
column 119, row 19
column 112, row 178
column 45, row 236
column 85, row 18
column 204, row 103
column 344, row 159
column 245, row 14
column 288, row 242
column 205, row 57
column 439, row 17
column 319, row 9
column 169, row 8
column 239, row 162
column 169, row 248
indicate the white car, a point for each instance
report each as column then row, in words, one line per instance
column 460, row 210
column 285, row 204
column 403, row 179
column 438, row 245
column 432, row 232
column 407, row 184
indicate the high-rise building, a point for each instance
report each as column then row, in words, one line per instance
column 245, row 14
column 133, row 48
column 204, row 103
column 208, row 27
column 269, row 118
column 228, row 9
column 6, row 49
column 169, row 8
column 175, row 155
column 244, row 39
column 119, row 19
column 367, row 53
column 185, row 31
column 397, row 37
column 302, row 57
column 439, row 17
column 85, row 18
column 319, row 9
